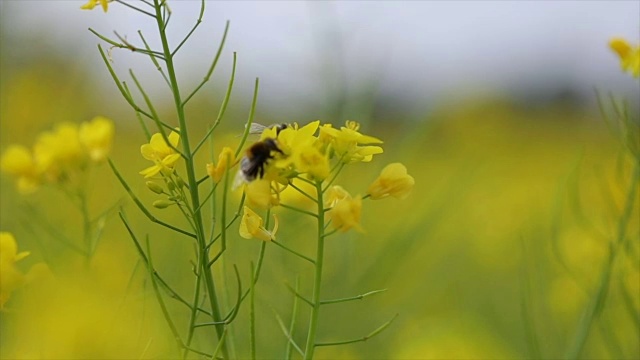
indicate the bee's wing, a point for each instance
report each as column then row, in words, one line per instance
column 256, row 128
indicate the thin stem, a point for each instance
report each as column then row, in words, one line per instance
column 135, row 8
column 173, row 53
column 287, row 334
column 142, row 207
column 303, row 192
column 317, row 283
column 250, row 120
column 153, row 59
column 292, row 325
column 294, row 252
column 190, row 167
column 298, row 210
column 252, row 316
column 364, row 338
column 298, row 295
column 357, row 297
column 597, row 301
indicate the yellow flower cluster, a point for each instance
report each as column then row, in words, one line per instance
column 58, row 153
column 312, row 154
column 629, row 56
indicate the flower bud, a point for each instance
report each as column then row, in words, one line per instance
column 155, row 187
column 162, row 204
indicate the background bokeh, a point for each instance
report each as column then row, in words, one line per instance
column 520, row 183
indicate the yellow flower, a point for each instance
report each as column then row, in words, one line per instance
column 629, row 56
column 259, row 194
column 345, row 211
column 345, row 142
column 393, row 181
column 17, row 161
column 93, row 3
column 308, row 159
column 58, row 150
column 96, row 136
column 158, row 151
column 335, row 194
column 10, row 277
column 251, row 226
column 226, row 159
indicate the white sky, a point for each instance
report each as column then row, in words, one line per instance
column 417, row 49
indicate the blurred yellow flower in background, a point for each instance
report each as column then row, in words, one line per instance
column 93, row 3
column 58, row 150
column 97, row 136
column 629, row 55
column 226, row 160
column 18, row 161
column 11, row 277
column 393, row 181
column 158, row 151
column 251, row 226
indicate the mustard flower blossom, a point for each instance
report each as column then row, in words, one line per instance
column 260, row 194
column 226, row 159
column 346, row 211
column 345, row 143
column 158, row 151
column 629, row 56
column 58, row 150
column 251, row 226
column 93, row 3
column 10, row 277
column 96, row 136
column 393, row 181
column 18, row 161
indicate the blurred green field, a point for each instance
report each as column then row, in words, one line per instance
column 494, row 255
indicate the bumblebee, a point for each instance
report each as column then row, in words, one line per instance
column 252, row 165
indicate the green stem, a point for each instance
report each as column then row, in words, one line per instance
column 597, row 301
column 193, row 186
column 317, row 283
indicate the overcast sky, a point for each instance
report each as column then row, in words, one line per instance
column 419, row 49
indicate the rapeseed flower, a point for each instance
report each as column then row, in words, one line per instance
column 226, row 160
column 11, row 277
column 93, row 3
column 59, row 150
column 346, row 142
column 260, row 194
column 158, row 151
column 346, row 211
column 96, row 136
column 393, row 181
column 251, row 226
column 18, row 161
column 629, row 55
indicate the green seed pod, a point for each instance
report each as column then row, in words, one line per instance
column 180, row 182
column 155, row 187
column 162, row 204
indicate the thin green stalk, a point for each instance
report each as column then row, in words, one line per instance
column 597, row 301
column 317, row 281
column 364, row 338
column 292, row 325
column 294, row 252
column 252, row 316
column 190, row 167
column 357, row 297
